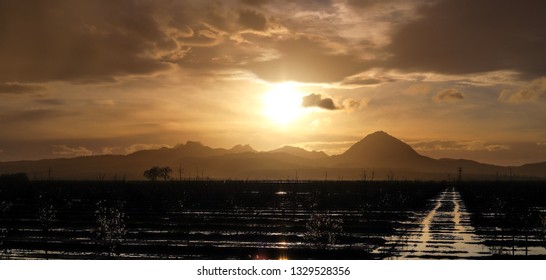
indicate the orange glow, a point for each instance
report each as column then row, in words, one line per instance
column 282, row 104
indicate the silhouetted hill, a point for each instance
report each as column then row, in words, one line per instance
column 237, row 149
column 300, row 152
column 380, row 150
column 472, row 169
column 378, row 155
column 531, row 169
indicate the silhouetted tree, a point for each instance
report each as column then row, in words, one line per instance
column 156, row 172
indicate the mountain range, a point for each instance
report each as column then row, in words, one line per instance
column 378, row 156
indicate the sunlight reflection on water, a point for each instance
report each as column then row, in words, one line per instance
column 444, row 232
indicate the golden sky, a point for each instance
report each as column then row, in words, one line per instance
column 453, row 78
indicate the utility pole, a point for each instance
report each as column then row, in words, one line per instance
column 460, row 174
column 180, row 171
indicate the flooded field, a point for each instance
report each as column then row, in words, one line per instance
column 252, row 220
column 443, row 232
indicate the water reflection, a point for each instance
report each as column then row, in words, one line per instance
column 443, row 232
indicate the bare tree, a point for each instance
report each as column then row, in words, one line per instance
column 323, row 230
column 111, row 229
column 46, row 216
column 5, row 206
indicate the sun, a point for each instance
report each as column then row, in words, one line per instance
column 282, row 103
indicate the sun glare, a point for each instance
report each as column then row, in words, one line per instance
column 282, row 103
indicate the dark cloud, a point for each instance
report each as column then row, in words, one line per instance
column 33, row 115
column 252, row 20
column 316, row 100
column 366, row 81
column 364, row 4
column 226, row 55
column 362, row 81
column 312, row 4
column 469, row 36
column 99, row 41
column 306, row 59
column 84, row 40
column 255, row 2
column 19, row 88
column 448, row 95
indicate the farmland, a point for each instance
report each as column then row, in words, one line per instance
column 269, row 220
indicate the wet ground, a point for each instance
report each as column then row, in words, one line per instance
column 442, row 232
column 203, row 220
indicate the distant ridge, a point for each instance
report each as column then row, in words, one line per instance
column 300, row 152
column 242, row 149
column 378, row 155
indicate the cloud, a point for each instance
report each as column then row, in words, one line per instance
column 64, row 150
column 535, row 91
column 330, row 147
column 366, row 80
column 449, row 145
column 351, row 105
column 99, row 41
column 316, row 100
column 307, row 59
column 252, row 19
column 467, row 36
column 88, row 40
column 19, row 88
column 33, row 115
column 139, row 147
column 368, row 4
column 109, row 150
column 520, row 96
column 255, row 2
column 448, row 95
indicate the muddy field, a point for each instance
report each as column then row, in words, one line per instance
column 257, row 220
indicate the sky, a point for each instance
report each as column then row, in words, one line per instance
column 452, row 78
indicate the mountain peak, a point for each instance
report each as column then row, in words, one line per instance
column 379, row 134
column 382, row 142
column 381, row 149
column 300, row 152
column 194, row 144
column 242, row 149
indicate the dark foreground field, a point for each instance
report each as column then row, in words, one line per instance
column 271, row 220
